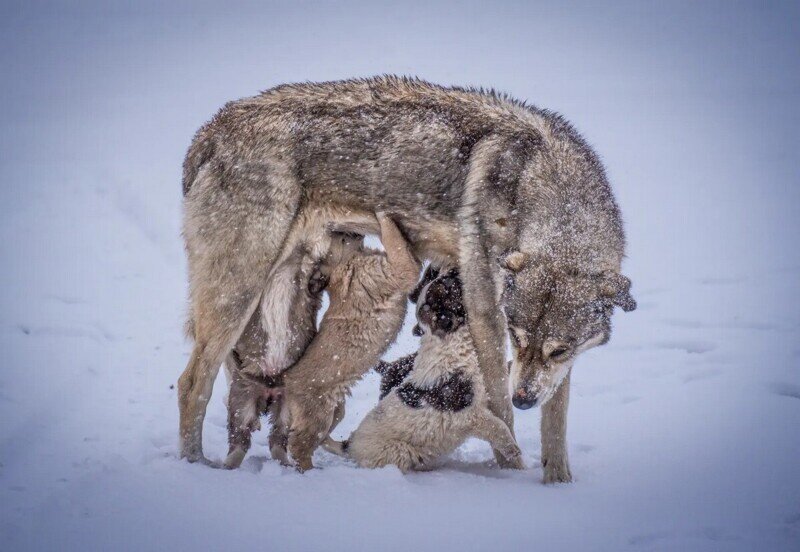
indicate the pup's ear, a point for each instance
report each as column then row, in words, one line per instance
column 431, row 273
column 617, row 288
column 513, row 260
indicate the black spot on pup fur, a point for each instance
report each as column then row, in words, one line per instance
column 393, row 373
column 452, row 394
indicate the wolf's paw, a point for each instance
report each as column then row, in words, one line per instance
column 556, row 471
column 234, row 458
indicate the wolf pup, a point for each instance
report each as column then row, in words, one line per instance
column 368, row 297
column 255, row 379
column 439, row 402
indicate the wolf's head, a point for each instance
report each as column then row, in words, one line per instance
column 553, row 316
column 440, row 305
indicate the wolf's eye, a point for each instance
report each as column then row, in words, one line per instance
column 558, row 352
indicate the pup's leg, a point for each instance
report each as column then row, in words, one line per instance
column 403, row 266
column 242, row 420
column 339, row 448
column 492, row 429
column 311, row 418
column 338, row 415
column 329, row 444
column 555, row 461
column 279, row 434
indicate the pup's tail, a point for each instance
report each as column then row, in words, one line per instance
column 339, row 448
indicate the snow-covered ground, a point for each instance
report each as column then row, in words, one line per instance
column 684, row 431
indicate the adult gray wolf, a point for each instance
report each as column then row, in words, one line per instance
column 471, row 177
column 431, row 408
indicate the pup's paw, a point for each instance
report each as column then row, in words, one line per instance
column 513, row 457
column 556, row 471
column 516, row 463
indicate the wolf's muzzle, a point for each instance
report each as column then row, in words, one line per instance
column 523, row 400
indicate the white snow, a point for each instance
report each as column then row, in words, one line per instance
column 684, row 431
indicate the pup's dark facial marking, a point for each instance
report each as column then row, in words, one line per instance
column 393, row 373
column 431, row 273
column 317, row 282
column 449, row 395
column 443, row 308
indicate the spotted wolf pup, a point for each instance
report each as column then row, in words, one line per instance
column 431, row 407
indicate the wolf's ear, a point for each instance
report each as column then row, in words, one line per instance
column 513, row 260
column 617, row 288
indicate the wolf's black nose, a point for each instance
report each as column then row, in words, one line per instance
column 523, row 400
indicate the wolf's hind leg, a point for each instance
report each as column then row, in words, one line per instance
column 234, row 227
column 197, row 381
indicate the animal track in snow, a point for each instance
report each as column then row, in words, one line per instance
column 786, row 390
column 95, row 333
column 627, row 399
column 719, row 281
column 726, row 325
column 692, row 347
column 698, row 375
column 66, row 300
column 649, row 538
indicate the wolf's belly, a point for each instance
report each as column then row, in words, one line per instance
column 432, row 237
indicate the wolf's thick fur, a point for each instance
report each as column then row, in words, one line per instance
column 468, row 175
column 438, row 404
column 368, row 297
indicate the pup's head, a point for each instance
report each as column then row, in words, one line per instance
column 440, row 306
column 554, row 316
column 344, row 245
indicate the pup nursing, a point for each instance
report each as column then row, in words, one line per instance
column 432, row 407
column 368, row 294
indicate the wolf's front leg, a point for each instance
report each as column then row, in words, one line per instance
column 493, row 430
column 487, row 328
column 555, row 461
